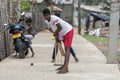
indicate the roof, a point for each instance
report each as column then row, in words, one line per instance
column 93, row 8
column 55, row 8
column 38, row 1
column 101, row 17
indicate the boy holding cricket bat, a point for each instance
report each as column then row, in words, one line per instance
column 59, row 26
column 55, row 51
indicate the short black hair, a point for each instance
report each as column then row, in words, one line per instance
column 28, row 20
column 46, row 11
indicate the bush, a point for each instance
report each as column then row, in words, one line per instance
column 25, row 5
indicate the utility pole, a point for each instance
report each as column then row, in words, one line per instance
column 79, row 17
column 113, row 32
column 19, row 9
column 11, row 11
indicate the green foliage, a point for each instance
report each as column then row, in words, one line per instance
column 25, row 5
column 118, row 55
column 95, row 38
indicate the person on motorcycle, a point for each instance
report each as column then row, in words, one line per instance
column 30, row 34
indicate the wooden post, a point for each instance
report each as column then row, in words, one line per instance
column 79, row 17
column 19, row 9
column 10, row 11
column 113, row 32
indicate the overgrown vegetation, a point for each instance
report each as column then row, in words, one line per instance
column 95, row 38
column 25, row 6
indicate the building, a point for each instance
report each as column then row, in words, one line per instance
column 67, row 7
column 86, row 9
column 63, row 1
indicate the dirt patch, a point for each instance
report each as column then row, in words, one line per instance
column 102, row 46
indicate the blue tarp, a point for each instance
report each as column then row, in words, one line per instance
column 100, row 17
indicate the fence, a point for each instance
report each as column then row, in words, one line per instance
column 9, row 13
column 38, row 20
column 5, row 39
column 5, row 43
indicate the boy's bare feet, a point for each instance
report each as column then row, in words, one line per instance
column 76, row 59
column 63, row 70
column 59, row 68
column 32, row 55
column 53, row 61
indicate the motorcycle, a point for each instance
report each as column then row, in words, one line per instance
column 19, row 41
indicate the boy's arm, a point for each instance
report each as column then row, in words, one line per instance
column 56, row 34
column 26, row 29
column 51, row 30
column 59, row 28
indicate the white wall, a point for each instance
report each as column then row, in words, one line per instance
column 68, row 1
column 58, row 1
column 76, row 2
column 63, row 1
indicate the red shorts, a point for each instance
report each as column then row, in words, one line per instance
column 67, row 39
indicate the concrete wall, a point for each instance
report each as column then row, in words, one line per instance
column 66, row 14
column 5, row 43
column 5, row 39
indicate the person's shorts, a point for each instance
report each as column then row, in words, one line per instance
column 29, row 37
column 67, row 39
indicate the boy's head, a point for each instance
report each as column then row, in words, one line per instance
column 46, row 14
column 28, row 21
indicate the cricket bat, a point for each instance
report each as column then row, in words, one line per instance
column 61, row 49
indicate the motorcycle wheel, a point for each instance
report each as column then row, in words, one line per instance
column 21, row 53
column 20, row 48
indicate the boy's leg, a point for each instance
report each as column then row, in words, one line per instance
column 67, row 43
column 73, row 54
column 64, row 68
column 32, row 51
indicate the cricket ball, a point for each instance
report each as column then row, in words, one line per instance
column 53, row 37
column 31, row 64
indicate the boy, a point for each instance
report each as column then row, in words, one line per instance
column 59, row 26
column 30, row 35
column 55, row 50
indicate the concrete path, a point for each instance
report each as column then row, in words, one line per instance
column 91, row 66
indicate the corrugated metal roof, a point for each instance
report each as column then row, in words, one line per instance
column 93, row 8
column 38, row 1
column 55, row 8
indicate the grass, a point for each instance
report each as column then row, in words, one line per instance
column 95, row 38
